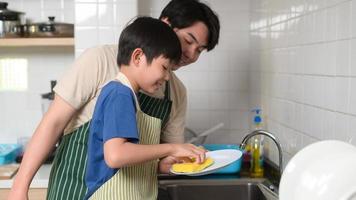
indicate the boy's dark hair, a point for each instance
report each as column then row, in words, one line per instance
column 153, row 36
column 184, row 13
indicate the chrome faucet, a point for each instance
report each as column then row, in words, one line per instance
column 270, row 135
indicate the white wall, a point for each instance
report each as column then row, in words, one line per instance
column 302, row 69
column 101, row 22
column 20, row 110
column 39, row 10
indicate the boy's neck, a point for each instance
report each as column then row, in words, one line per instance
column 130, row 76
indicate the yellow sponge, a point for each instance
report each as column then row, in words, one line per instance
column 192, row 167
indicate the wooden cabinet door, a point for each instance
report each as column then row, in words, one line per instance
column 33, row 194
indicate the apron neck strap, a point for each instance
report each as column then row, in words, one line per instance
column 125, row 81
column 167, row 91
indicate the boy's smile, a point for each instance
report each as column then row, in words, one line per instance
column 153, row 75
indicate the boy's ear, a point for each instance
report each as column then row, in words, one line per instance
column 136, row 56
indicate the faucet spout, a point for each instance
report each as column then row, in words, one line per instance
column 270, row 135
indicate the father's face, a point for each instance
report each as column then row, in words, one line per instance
column 193, row 40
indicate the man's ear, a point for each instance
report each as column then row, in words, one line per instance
column 166, row 20
column 136, row 56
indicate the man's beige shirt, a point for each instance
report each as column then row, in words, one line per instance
column 81, row 85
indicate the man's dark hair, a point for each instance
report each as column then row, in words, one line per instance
column 153, row 36
column 184, row 13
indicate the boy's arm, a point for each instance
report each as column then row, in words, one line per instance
column 118, row 152
column 42, row 142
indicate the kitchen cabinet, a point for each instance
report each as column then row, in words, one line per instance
column 33, row 194
column 29, row 42
column 38, row 187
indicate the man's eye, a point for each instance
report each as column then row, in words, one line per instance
column 188, row 41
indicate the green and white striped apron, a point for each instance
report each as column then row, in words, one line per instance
column 67, row 178
column 137, row 182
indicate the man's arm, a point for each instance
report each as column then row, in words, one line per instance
column 77, row 86
column 42, row 142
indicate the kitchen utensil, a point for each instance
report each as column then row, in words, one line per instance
column 8, row 171
column 49, row 29
column 233, row 167
column 8, row 153
column 9, row 19
column 324, row 170
column 47, row 98
column 222, row 158
column 206, row 133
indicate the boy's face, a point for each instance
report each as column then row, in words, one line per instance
column 193, row 40
column 153, row 75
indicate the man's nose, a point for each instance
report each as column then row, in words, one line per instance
column 192, row 54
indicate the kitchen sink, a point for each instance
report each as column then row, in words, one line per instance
column 241, row 189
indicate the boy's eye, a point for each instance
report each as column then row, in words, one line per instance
column 164, row 67
column 188, row 41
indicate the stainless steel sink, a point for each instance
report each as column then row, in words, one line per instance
column 241, row 189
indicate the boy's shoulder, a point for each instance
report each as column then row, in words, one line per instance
column 117, row 88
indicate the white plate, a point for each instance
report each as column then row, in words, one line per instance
column 221, row 158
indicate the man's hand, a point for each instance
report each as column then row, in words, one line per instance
column 166, row 163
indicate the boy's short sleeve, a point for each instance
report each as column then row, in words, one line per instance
column 119, row 120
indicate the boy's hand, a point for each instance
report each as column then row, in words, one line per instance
column 190, row 151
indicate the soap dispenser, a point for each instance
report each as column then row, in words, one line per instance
column 256, row 162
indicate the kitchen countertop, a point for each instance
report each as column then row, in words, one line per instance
column 40, row 180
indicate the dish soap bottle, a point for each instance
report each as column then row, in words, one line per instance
column 256, row 165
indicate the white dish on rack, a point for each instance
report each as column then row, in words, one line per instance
column 324, row 170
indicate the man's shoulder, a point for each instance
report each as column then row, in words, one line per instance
column 104, row 50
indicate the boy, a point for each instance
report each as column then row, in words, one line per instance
column 123, row 146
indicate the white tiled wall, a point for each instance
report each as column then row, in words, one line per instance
column 101, row 21
column 20, row 111
column 39, row 10
column 302, row 69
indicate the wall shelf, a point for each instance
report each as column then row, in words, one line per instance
column 32, row 42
